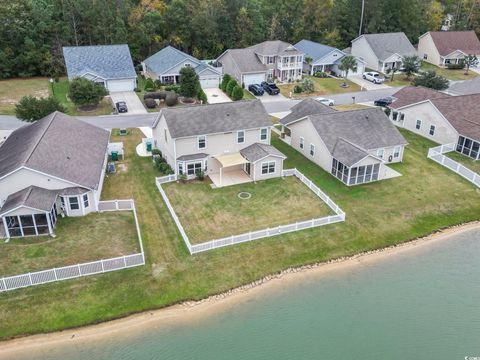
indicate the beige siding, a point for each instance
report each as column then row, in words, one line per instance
column 361, row 48
column 429, row 115
column 426, row 46
column 229, row 66
column 164, row 143
column 305, row 129
column 256, row 172
column 387, row 152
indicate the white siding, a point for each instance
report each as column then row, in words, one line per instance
column 426, row 46
column 257, row 168
column 361, row 48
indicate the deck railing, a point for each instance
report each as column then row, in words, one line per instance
column 260, row 234
column 83, row 269
column 436, row 154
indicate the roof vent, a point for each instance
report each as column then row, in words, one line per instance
column 228, row 114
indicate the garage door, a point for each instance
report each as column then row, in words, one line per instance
column 360, row 69
column 253, row 79
column 208, row 82
column 120, row 85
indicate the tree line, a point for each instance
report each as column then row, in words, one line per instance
column 33, row 32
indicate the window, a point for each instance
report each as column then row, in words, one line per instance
column 73, row 201
column 240, row 137
column 394, row 116
column 202, row 142
column 194, row 168
column 432, row 130
column 268, row 167
column 312, row 150
column 180, row 168
column 165, row 135
column 396, row 152
column 418, row 124
column 85, row 201
column 188, row 65
column 425, row 56
column 302, row 142
column 380, row 153
column 263, row 134
column 402, row 116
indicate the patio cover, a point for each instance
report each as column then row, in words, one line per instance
column 231, row 159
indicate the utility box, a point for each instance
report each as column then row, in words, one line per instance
column 114, row 155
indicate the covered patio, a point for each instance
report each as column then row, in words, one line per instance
column 232, row 169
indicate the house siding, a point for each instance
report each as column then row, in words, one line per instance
column 361, row 48
column 427, row 46
column 229, row 67
column 257, row 168
column 166, row 147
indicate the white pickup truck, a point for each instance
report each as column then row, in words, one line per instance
column 374, row 77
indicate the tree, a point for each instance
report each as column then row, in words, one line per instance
column 84, row 92
column 411, row 65
column 225, row 80
column 237, row 93
column 308, row 85
column 202, row 96
column 189, row 82
column 149, row 85
column 30, row 108
column 231, row 84
column 434, row 15
column 470, row 61
column 431, row 80
column 348, row 63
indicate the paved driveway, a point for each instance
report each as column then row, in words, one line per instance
column 365, row 84
column 134, row 104
column 265, row 98
column 216, row 96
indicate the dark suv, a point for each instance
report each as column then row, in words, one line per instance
column 383, row 101
column 121, row 107
column 270, row 88
column 256, row 89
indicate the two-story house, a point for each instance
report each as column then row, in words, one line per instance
column 229, row 142
column 266, row 61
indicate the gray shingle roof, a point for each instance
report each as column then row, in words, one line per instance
column 386, row 44
column 347, row 153
column 414, row 94
column 246, row 60
column 308, row 106
column 167, row 58
column 58, row 145
column 313, row 49
column 105, row 61
column 366, row 129
column 184, row 121
column 33, row 197
column 192, row 157
column 274, row 47
column 259, row 151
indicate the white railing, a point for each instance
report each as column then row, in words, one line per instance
column 84, row 269
column 166, row 179
column 260, row 234
column 436, row 154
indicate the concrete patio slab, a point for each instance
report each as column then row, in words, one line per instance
column 216, row 96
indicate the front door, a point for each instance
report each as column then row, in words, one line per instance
column 247, row 168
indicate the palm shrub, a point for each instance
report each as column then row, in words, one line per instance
column 30, row 108
column 348, row 64
column 237, row 93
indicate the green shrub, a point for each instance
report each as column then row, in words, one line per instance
column 171, row 99
column 237, row 93
column 149, row 85
column 308, row 85
column 298, row 89
column 200, row 174
column 150, row 103
column 225, row 80
column 202, row 96
column 30, row 108
column 85, row 92
column 189, row 82
column 458, row 66
column 320, row 74
column 158, row 84
column 231, row 84
column 156, row 152
column 174, row 88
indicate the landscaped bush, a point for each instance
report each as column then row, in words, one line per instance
column 150, row 103
column 30, row 108
column 202, row 96
column 84, row 92
column 189, row 82
column 158, row 84
column 237, row 93
column 156, row 152
column 200, row 174
column 231, row 84
column 173, row 87
column 137, row 89
column 171, row 99
column 159, row 95
column 459, row 66
column 298, row 89
column 149, row 85
column 387, row 111
column 431, row 80
column 225, row 80
column 308, row 85
column 320, row 74
column 165, row 168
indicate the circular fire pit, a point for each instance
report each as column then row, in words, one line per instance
column 244, row 195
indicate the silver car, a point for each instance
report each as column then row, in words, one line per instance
column 374, row 77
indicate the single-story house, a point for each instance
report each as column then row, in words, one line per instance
column 110, row 65
column 265, row 61
column 165, row 65
column 229, row 142
column 447, row 47
column 52, row 167
column 325, row 58
column 384, row 51
column 439, row 117
column 354, row 146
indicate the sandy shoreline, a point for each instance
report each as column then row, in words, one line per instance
column 191, row 311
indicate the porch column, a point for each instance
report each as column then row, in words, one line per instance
column 50, row 231
column 34, row 224
column 21, row 225
column 311, row 70
column 7, row 233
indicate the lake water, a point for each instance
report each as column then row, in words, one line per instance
column 420, row 304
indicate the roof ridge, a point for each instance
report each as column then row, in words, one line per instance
column 351, row 143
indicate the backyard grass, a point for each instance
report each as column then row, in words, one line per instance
column 346, row 107
column 473, row 165
column 247, row 95
column 78, row 240
column 323, row 86
column 426, row 198
column 12, row 90
column 398, row 80
column 208, row 214
column 450, row 74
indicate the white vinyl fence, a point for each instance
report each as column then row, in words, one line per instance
column 260, row 234
column 436, row 154
column 84, row 269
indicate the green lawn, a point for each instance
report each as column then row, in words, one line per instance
column 450, row 74
column 323, row 86
column 208, row 214
column 398, row 80
column 78, row 240
column 473, row 165
column 346, row 107
column 247, row 95
column 12, row 90
column 426, row 198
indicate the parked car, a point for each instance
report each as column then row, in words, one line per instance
column 374, row 77
column 383, row 101
column 121, row 107
column 325, row 101
column 270, row 88
column 256, row 89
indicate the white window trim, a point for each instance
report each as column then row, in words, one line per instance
column 380, row 153
column 266, row 134
column 419, row 123
column 312, row 149
column 86, row 200
column 268, row 163
column 244, row 135
column 302, row 143
column 198, row 141
column 430, row 130
column 70, row 204
column 397, row 150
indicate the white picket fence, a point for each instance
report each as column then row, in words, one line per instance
column 436, row 154
column 260, row 234
column 78, row 270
